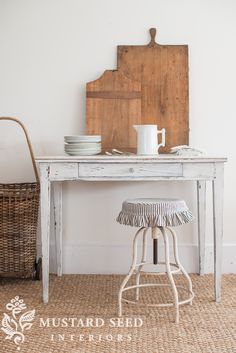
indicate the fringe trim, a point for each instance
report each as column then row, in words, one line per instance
column 149, row 220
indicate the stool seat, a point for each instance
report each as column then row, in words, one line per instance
column 154, row 212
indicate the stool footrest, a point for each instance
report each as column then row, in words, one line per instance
column 182, row 302
column 156, row 273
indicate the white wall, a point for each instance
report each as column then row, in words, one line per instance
column 49, row 49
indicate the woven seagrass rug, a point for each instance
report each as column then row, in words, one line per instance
column 81, row 316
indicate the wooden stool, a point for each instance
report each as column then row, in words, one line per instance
column 162, row 215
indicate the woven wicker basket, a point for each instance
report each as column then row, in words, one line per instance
column 19, row 205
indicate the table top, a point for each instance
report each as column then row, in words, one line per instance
column 162, row 158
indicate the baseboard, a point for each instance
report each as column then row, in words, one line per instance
column 111, row 259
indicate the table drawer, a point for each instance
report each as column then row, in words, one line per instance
column 132, row 170
column 64, row 171
column 199, row 171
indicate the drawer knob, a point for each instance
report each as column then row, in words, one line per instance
column 131, row 170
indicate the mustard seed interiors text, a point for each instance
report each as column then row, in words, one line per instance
column 91, row 322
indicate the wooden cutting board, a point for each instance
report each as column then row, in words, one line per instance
column 113, row 106
column 150, row 87
column 162, row 71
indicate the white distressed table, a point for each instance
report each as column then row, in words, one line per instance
column 55, row 169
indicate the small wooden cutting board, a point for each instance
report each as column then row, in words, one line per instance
column 113, row 106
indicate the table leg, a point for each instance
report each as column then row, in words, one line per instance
column 218, row 191
column 45, row 190
column 201, row 202
column 57, row 207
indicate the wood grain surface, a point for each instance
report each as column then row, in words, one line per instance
column 150, row 87
column 113, row 106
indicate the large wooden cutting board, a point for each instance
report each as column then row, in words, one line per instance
column 150, row 87
column 113, row 106
column 162, row 71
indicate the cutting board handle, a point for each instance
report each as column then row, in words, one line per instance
column 153, row 32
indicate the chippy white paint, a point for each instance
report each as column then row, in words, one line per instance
column 45, row 198
column 201, row 200
column 54, row 169
column 57, row 207
column 218, row 201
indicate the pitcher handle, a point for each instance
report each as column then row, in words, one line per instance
column 163, row 138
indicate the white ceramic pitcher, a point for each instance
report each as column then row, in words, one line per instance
column 147, row 139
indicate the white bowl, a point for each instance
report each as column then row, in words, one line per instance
column 82, row 138
column 83, row 152
column 83, row 145
column 83, row 149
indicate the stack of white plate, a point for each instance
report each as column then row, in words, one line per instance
column 83, row 145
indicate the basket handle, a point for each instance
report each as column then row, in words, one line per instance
column 28, row 143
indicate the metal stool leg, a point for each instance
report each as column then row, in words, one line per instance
column 176, row 256
column 169, row 273
column 131, row 271
column 143, row 260
column 155, row 245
